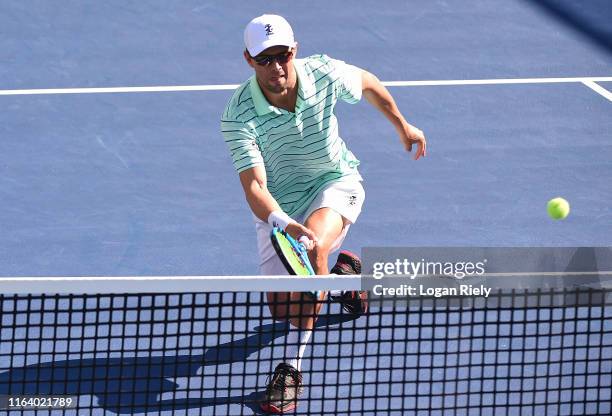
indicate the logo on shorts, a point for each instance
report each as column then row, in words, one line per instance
column 269, row 30
column 352, row 200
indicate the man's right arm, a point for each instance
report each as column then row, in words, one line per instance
column 263, row 204
column 260, row 200
column 248, row 161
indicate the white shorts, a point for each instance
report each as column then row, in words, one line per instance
column 345, row 196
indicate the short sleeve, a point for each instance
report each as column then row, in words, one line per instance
column 242, row 145
column 349, row 85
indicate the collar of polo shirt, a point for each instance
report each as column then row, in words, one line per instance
column 306, row 90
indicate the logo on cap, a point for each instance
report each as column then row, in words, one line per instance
column 269, row 30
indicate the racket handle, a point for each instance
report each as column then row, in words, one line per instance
column 306, row 242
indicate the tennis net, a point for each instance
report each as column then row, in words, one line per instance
column 207, row 346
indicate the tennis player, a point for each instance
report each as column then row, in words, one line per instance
column 298, row 174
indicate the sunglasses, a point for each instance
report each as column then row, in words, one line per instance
column 281, row 58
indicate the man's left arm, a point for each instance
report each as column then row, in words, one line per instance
column 379, row 97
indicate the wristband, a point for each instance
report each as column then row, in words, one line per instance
column 279, row 219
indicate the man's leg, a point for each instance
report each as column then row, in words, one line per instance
column 330, row 227
column 327, row 224
column 302, row 310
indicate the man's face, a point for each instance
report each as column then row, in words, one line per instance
column 273, row 73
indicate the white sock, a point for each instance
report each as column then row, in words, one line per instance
column 295, row 344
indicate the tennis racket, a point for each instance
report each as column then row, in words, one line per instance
column 292, row 253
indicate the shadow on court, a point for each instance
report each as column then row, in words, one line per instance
column 135, row 385
column 590, row 17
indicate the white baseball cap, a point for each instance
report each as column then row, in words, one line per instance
column 266, row 31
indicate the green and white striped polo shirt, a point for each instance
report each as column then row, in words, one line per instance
column 302, row 151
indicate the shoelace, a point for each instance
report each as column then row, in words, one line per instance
column 279, row 383
column 279, row 380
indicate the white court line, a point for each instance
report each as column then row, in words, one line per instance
column 120, row 89
column 598, row 89
column 221, row 87
column 495, row 81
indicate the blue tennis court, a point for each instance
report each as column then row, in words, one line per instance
column 112, row 162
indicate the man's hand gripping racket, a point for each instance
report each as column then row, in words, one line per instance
column 293, row 254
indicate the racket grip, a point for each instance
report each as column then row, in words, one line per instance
column 305, row 242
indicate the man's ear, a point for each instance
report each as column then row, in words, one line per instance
column 248, row 58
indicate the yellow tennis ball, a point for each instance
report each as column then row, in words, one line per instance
column 558, row 208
